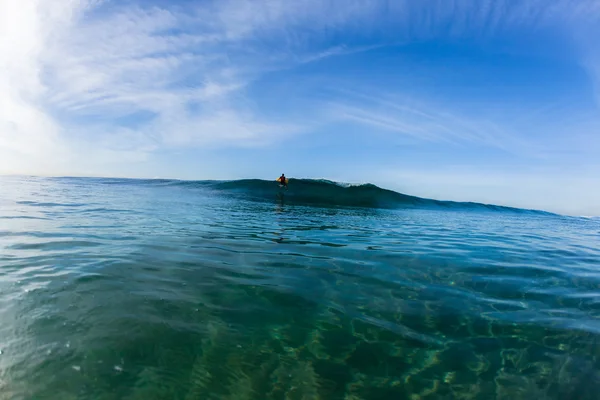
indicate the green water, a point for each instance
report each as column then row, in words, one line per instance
column 152, row 290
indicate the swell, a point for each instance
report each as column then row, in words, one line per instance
column 319, row 192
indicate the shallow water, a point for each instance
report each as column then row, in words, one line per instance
column 123, row 289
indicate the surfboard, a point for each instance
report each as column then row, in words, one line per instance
column 281, row 184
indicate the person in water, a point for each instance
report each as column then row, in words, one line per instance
column 282, row 180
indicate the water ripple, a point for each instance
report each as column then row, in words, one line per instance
column 134, row 290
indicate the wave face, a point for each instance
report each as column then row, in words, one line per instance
column 320, row 192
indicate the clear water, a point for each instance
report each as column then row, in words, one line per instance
column 116, row 289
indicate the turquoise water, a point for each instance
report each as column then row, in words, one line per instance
column 127, row 289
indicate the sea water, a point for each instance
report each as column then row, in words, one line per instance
column 134, row 289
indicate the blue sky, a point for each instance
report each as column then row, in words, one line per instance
column 492, row 101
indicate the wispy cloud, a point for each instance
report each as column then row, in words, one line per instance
column 137, row 60
column 73, row 71
column 426, row 120
column 124, row 80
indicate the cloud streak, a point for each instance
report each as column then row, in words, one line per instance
column 410, row 116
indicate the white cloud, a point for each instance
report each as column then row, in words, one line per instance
column 26, row 129
column 427, row 120
column 73, row 72
column 70, row 71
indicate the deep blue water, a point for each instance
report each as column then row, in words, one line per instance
column 132, row 289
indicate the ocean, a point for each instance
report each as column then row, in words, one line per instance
column 162, row 289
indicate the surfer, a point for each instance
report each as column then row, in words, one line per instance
column 282, row 180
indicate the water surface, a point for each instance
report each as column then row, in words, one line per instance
column 128, row 289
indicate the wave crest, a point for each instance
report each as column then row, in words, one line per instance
column 323, row 192
column 319, row 192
